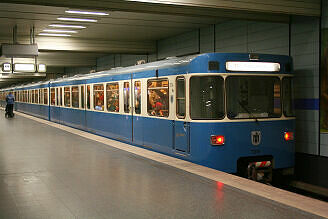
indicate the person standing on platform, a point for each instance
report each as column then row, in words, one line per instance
column 10, row 100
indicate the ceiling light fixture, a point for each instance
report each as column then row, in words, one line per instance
column 67, row 26
column 54, row 34
column 86, row 12
column 59, row 31
column 76, row 19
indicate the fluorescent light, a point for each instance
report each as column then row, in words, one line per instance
column 67, row 26
column 6, row 67
column 42, row 68
column 253, row 66
column 59, row 31
column 54, row 34
column 86, row 12
column 24, row 67
column 76, row 19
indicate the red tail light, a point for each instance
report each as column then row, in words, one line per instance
column 217, row 140
column 288, row 136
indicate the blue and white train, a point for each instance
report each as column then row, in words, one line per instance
column 227, row 111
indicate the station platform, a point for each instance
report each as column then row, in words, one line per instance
column 52, row 171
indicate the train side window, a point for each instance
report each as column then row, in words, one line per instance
column 52, row 96
column 98, row 97
column 88, row 97
column 137, row 97
column 67, row 96
column 126, row 97
column 82, row 96
column 45, row 96
column 181, row 97
column 158, row 97
column 112, row 93
column 206, row 97
column 75, row 97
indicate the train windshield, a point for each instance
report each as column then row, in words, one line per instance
column 206, row 97
column 287, row 87
column 253, row 97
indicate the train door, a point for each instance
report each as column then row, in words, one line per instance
column 128, row 112
column 181, row 126
column 137, row 132
column 83, row 105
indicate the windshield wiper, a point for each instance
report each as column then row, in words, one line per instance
column 248, row 111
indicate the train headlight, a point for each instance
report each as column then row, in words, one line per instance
column 217, row 140
column 288, row 136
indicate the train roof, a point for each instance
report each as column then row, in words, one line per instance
column 169, row 62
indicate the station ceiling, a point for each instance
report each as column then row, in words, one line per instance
column 131, row 27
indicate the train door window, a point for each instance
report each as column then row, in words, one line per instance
column 61, row 96
column 288, row 99
column 45, row 97
column 37, row 96
column 40, row 99
column 137, row 97
column 112, row 95
column 126, row 97
column 57, row 96
column 75, row 96
column 98, row 96
column 88, row 96
column 181, row 97
column 67, row 96
column 32, row 96
column 206, row 97
column 52, row 96
column 82, row 96
column 158, row 97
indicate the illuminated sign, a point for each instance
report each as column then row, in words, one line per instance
column 6, row 67
column 42, row 68
column 20, row 67
column 253, row 66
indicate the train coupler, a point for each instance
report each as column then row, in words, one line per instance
column 260, row 171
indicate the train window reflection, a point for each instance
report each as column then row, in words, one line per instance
column 52, row 96
column 112, row 93
column 75, row 97
column 288, row 99
column 67, row 96
column 88, row 96
column 45, row 96
column 137, row 97
column 253, row 97
column 181, row 97
column 206, row 97
column 126, row 97
column 158, row 98
column 98, row 96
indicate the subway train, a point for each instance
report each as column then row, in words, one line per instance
column 233, row 112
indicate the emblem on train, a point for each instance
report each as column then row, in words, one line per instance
column 256, row 137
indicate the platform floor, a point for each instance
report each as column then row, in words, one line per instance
column 46, row 172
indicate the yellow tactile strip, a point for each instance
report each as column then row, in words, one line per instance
column 303, row 203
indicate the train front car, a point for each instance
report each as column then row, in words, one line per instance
column 241, row 113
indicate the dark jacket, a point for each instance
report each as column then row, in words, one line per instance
column 10, row 99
